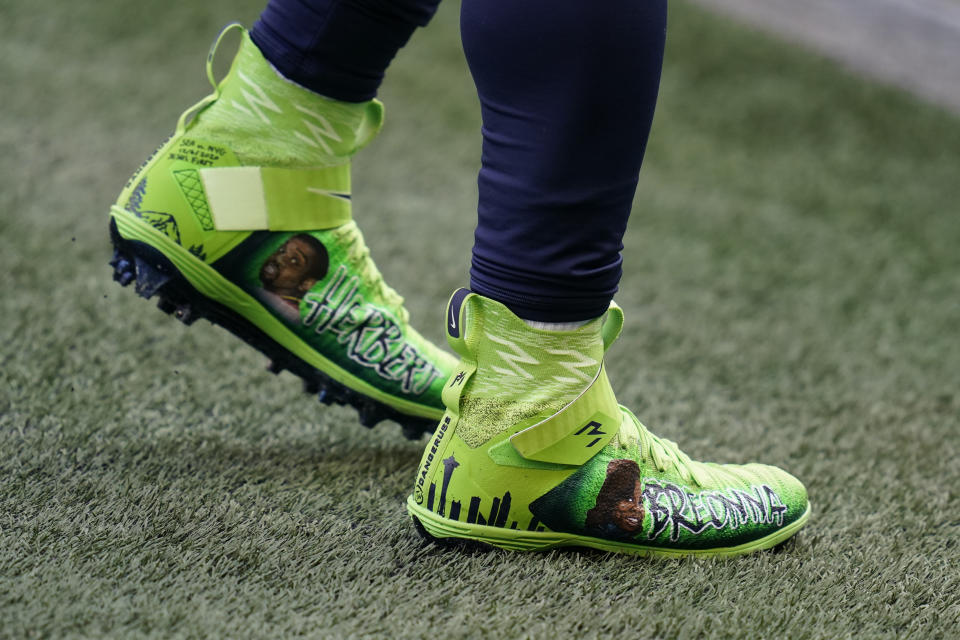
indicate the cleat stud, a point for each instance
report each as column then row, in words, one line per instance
column 149, row 278
column 116, row 259
column 123, row 271
column 369, row 415
column 166, row 305
column 324, row 396
column 410, row 432
column 413, row 428
column 184, row 313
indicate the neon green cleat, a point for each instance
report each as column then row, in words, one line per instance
column 243, row 217
column 534, row 452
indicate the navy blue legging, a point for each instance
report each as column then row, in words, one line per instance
column 567, row 91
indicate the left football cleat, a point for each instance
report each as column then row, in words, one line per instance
column 243, row 216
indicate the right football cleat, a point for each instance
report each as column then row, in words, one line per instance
column 534, row 453
column 243, row 217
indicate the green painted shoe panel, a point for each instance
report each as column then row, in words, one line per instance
column 315, row 283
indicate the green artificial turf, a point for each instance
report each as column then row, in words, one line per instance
column 792, row 292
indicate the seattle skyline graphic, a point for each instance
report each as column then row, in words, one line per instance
column 497, row 516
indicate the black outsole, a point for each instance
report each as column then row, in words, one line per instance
column 154, row 275
column 461, row 545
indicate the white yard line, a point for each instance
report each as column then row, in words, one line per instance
column 912, row 44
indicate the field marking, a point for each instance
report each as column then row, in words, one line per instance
column 911, row 44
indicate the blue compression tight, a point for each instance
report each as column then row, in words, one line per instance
column 567, row 92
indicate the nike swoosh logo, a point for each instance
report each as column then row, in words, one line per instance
column 456, row 304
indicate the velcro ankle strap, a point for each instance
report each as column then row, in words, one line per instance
column 277, row 199
column 577, row 432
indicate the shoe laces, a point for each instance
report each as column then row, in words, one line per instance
column 358, row 254
column 664, row 453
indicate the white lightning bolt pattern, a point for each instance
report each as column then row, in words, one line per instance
column 518, row 355
column 261, row 99
column 324, row 130
column 575, row 366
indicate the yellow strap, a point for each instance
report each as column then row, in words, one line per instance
column 277, row 199
column 577, row 432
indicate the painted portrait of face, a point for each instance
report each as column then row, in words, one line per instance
column 298, row 264
column 619, row 508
